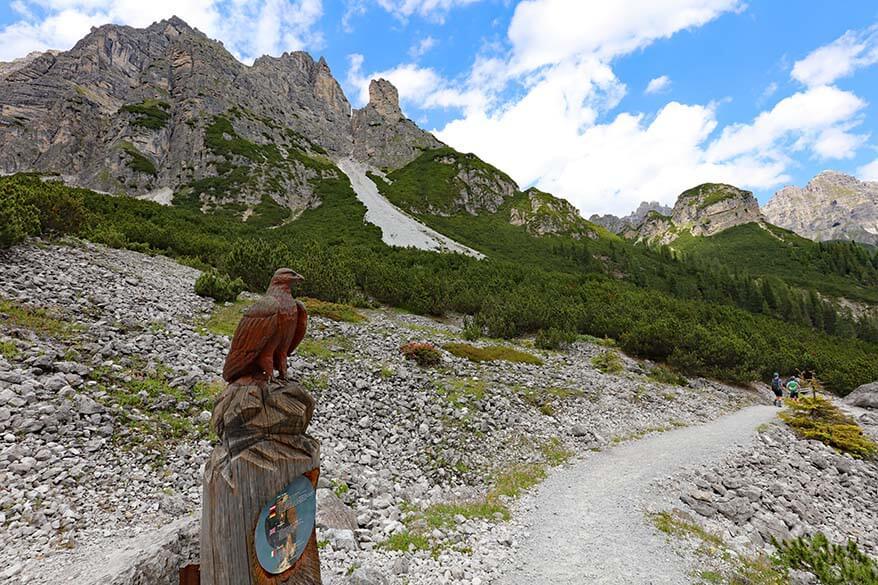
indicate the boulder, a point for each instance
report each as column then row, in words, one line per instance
column 865, row 396
column 333, row 513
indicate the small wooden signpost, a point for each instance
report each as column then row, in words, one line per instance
column 263, row 450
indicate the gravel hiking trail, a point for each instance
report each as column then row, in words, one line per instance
column 588, row 522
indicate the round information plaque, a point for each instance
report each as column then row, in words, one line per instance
column 285, row 526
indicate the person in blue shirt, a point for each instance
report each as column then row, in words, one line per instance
column 777, row 388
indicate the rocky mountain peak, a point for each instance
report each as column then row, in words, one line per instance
column 384, row 98
column 704, row 210
column 620, row 225
column 543, row 214
column 383, row 136
column 130, row 110
column 713, row 207
column 832, row 206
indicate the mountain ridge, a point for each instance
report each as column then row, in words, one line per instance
column 831, row 206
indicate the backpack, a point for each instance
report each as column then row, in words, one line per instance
column 793, row 386
column 775, row 384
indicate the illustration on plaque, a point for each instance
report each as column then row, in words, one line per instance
column 285, row 526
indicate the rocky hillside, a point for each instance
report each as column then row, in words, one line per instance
column 704, row 210
column 165, row 107
column 618, row 225
column 543, row 214
column 106, row 384
column 832, row 206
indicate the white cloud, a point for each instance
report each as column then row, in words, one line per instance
column 421, row 47
column 869, row 172
column 851, row 51
column 543, row 32
column 658, row 84
column 248, row 29
column 805, row 119
column 433, row 9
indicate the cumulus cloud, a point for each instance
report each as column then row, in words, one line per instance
column 851, row 51
column 869, row 172
column 248, row 29
column 658, row 84
column 433, row 9
column 543, row 32
column 816, row 118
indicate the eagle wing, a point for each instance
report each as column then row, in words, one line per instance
column 256, row 327
column 301, row 327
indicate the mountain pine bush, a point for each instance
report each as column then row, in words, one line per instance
column 218, row 286
column 832, row 564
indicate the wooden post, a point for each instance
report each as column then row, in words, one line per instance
column 263, row 449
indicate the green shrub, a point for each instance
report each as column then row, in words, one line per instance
column 665, row 375
column 491, row 353
column 815, row 417
column 62, row 210
column 152, row 114
column 108, row 236
column 334, row 311
column 137, row 161
column 218, row 286
column 554, row 338
column 18, row 218
column 471, row 330
column 833, row 564
column 607, row 362
column 424, row 354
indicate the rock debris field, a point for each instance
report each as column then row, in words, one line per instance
column 108, row 368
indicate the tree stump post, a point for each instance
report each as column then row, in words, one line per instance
column 263, row 450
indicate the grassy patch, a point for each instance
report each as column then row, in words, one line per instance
column 674, row 525
column 463, row 391
column 334, row 311
column 147, row 405
column 442, row 515
column 554, row 452
column 36, row 319
column 491, row 353
column 323, row 349
column 406, row 541
column 545, row 399
column 9, row 350
column 224, row 318
column 815, row 417
column 513, row 481
column 607, row 362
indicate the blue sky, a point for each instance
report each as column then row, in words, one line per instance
column 603, row 103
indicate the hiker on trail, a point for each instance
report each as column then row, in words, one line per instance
column 777, row 388
column 793, row 388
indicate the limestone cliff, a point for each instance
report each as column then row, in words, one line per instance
column 704, row 210
column 382, row 136
column 131, row 110
column 832, row 206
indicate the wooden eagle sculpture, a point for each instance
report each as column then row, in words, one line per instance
column 268, row 332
